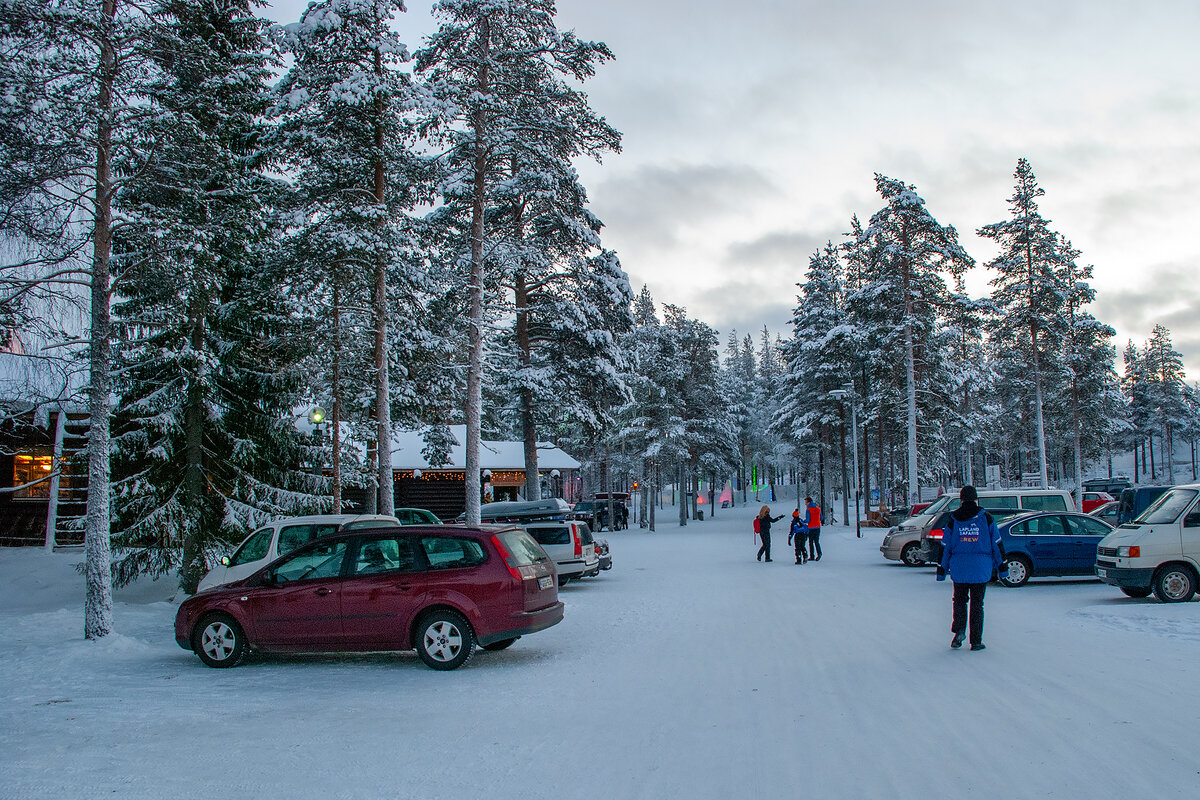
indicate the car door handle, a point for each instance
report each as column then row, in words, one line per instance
column 322, row 592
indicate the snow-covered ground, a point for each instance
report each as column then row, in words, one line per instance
column 688, row 671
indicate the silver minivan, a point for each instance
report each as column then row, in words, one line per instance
column 1000, row 503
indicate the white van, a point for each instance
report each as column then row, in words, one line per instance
column 1159, row 551
column 282, row 536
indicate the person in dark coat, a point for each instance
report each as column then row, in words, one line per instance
column 799, row 533
column 764, row 530
column 970, row 553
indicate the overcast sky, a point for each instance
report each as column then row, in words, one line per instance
column 752, row 132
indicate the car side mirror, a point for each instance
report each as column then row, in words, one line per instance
column 224, row 561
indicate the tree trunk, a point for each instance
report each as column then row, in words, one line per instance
column 336, row 411
column 474, row 410
column 383, row 407
column 1078, row 445
column 98, row 604
column 533, row 488
column 910, row 377
column 682, row 498
column 845, row 475
column 1037, row 410
column 194, row 565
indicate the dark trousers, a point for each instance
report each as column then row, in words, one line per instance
column 800, row 540
column 766, row 546
column 968, row 594
column 814, row 543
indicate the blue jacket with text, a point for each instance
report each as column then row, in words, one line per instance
column 971, row 547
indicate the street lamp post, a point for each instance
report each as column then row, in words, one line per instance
column 839, row 394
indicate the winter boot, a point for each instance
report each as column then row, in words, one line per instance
column 957, row 641
column 979, row 646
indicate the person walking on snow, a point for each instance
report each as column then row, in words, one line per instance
column 764, row 530
column 971, row 551
column 814, row 529
column 799, row 532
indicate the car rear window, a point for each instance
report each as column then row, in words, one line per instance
column 523, row 548
column 449, row 553
column 1000, row 501
column 1044, row 502
column 559, row 534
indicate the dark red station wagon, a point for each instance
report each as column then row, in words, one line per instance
column 439, row 590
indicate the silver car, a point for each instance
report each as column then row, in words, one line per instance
column 903, row 542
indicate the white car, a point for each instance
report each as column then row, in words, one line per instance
column 571, row 546
column 280, row 537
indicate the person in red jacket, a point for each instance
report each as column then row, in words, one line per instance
column 814, row 529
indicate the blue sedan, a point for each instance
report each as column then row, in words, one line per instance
column 1050, row 543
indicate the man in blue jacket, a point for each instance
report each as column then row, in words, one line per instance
column 970, row 553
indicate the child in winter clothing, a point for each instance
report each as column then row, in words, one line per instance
column 799, row 532
column 764, row 530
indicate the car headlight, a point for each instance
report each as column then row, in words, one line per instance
column 1132, row 551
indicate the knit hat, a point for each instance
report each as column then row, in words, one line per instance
column 796, row 512
column 968, row 494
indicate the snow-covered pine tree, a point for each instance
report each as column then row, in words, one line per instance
column 738, row 382
column 205, row 438
column 77, row 96
column 497, row 74
column 1088, row 358
column 1165, row 392
column 971, row 378
column 645, row 428
column 706, row 432
column 1027, row 294
column 819, row 356
column 914, row 248
column 345, row 108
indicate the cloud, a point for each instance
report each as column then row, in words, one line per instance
column 789, row 249
column 653, row 205
column 744, row 307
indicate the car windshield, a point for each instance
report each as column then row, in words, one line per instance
column 1167, row 508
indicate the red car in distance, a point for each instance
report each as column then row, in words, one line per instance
column 439, row 590
column 1093, row 500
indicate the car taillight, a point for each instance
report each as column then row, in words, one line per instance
column 578, row 542
column 509, row 561
column 1133, row 551
column 936, row 533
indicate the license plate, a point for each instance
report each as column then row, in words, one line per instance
column 545, row 583
column 1103, row 573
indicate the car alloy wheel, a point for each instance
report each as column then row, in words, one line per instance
column 220, row 642
column 447, row 640
column 1018, row 572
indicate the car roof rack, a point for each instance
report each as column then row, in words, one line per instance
column 551, row 509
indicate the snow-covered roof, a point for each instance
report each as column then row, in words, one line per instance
column 406, row 453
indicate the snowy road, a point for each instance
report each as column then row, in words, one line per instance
column 688, row 671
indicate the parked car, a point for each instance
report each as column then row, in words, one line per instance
column 603, row 553
column 1114, row 485
column 1137, row 499
column 1093, row 500
column 1159, row 551
column 280, row 537
column 903, row 542
column 1107, row 512
column 1047, row 543
column 570, row 544
column 1001, row 504
column 593, row 512
column 439, row 590
column 417, row 516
